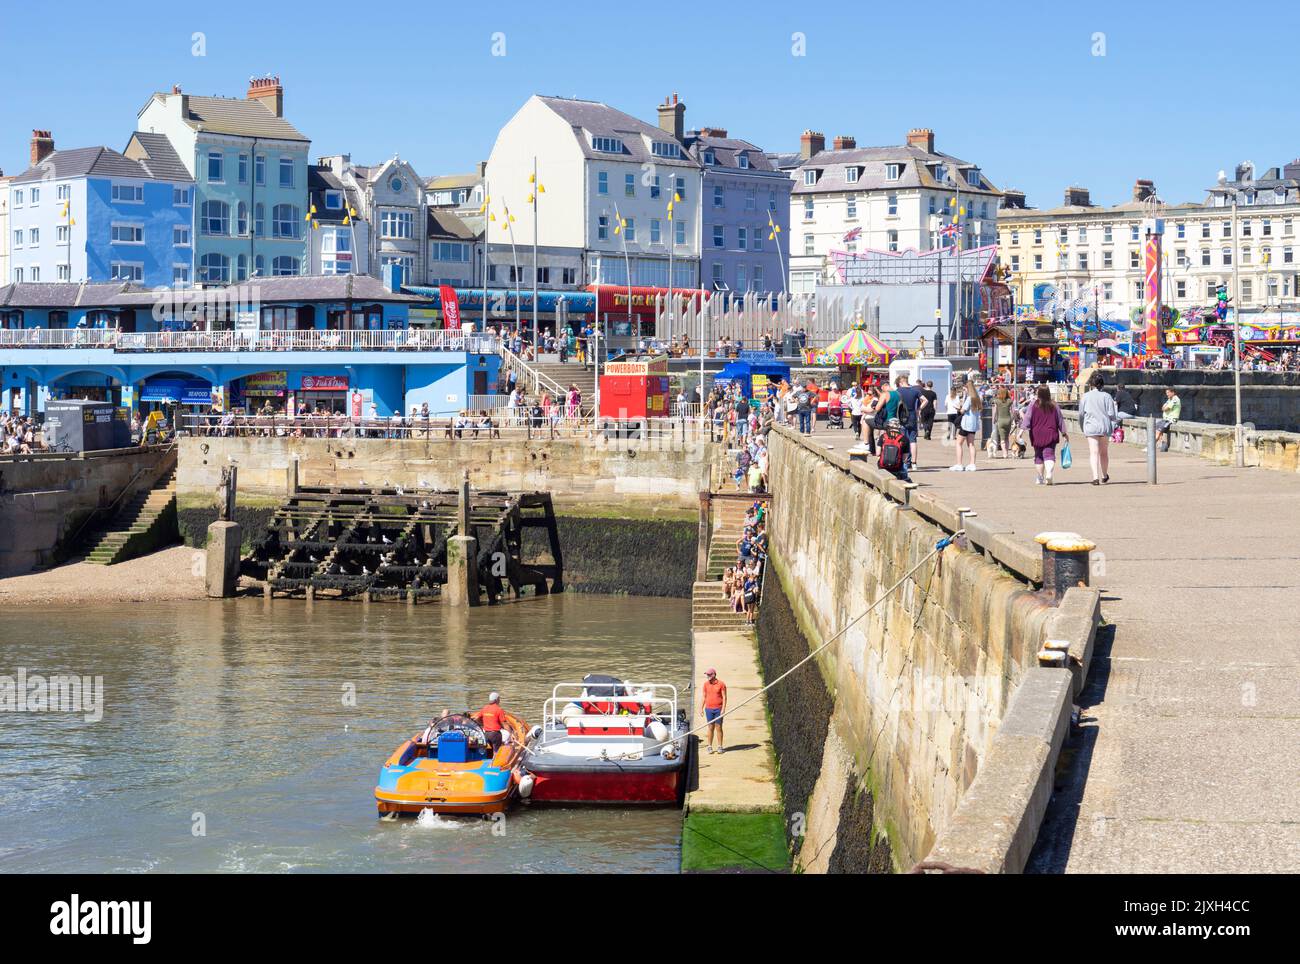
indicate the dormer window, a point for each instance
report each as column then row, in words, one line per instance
column 607, row 145
column 893, row 172
column 710, row 157
column 665, row 149
column 973, row 177
column 851, row 175
column 742, row 160
column 334, row 200
column 810, row 177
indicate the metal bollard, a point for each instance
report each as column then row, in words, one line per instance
column 1049, row 565
column 1067, row 555
column 1151, row 450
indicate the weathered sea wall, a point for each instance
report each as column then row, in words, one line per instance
column 653, row 474
column 44, row 499
column 627, row 512
column 1269, row 400
column 921, row 686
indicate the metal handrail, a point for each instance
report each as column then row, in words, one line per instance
column 168, row 455
column 113, row 339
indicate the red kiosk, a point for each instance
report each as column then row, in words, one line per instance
column 634, row 390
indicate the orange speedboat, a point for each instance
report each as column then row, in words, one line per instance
column 450, row 768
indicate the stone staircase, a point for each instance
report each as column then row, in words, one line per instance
column 710, row 611
column 144, row 522
column 570, row 373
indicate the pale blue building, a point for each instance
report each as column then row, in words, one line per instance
column 249, row 167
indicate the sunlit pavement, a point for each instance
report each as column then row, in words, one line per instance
column 1187, row 760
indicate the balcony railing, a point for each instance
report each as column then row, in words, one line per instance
column 406, row 339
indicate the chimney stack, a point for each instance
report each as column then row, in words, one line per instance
column 1143, row 189
column 268, row 91
column 1077, row 197
column 811, row 144
column 672, row 117
column 921, row 137
column 42, row 146
column 845, row 142
column 717, row 132
column 1013, row 198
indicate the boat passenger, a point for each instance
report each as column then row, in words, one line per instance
column 427, row 736
column 492, row 719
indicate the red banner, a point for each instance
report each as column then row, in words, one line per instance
column 450, row 306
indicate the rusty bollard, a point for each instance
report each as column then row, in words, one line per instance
column 1049, row 570
column 1066, row 555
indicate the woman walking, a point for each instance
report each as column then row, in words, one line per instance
column 1002, row 421
column 969, row 410
column 951, row 406
column 1098, row 416
column 1046, row 429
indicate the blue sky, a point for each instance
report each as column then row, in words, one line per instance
column 1014, row 87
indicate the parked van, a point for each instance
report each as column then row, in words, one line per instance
column 918, row 370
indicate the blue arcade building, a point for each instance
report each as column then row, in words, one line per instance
column 341, row 343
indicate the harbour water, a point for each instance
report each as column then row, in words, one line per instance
column 239, row 735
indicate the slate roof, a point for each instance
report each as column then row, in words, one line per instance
column 236, row 115
column 321, row 179
column 445, row 182
column 916, row 171
column 601, row 120
column 83, row 162
column 726, row 154
column 117, row 295
column 155, row 154
column 446, row 226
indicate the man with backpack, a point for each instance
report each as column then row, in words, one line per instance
column 906, row 401
column 895, row 450
column 804, row 407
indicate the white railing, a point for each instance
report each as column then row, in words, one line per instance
column 565, row 693
column 405, row 339
column 500, row 424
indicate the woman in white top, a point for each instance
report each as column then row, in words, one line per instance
column 951, row 408
column 1098, row 417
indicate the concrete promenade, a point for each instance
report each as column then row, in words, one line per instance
column 743, row 779
column 1190, row 745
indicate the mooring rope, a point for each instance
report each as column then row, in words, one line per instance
column 939, row 546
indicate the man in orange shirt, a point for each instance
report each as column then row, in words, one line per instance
column 491, row 718
column 713, row 703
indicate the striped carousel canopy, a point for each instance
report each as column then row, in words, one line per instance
column 857, row 347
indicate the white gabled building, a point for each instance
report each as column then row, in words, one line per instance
column 596, row 164
column 895, row 198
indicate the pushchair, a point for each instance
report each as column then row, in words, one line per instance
column 835, row 416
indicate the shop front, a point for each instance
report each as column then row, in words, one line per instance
column 323, row 393
column 262, row 391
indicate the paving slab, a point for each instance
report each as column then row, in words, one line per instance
column 743, row 779
column 1190, row 750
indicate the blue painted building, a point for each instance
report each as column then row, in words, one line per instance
column 341, row 343
column 93, row 214
column 745, row 199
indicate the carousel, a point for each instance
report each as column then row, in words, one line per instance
column 853, row 352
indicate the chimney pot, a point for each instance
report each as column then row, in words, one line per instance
column 42, row 146
column 845, row 143
column 269, row 92
column 672, row 117
column 921, row 137
column 811, row 143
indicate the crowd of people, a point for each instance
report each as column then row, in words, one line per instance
column 20, row 435
column 742, row 583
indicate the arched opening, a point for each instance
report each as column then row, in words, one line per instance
column 87, row 384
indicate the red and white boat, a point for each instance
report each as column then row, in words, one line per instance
column 607, row 741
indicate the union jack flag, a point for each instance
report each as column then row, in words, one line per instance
column 950, row 230
column 853, row 235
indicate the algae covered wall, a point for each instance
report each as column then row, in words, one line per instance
column 633, row 553
column 919, row 686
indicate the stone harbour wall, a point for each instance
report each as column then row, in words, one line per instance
column 920, row 686
column 44, row 499
column 666, row 475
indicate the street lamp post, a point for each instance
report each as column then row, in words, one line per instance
column 1238, row 445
